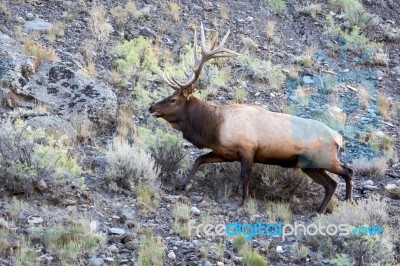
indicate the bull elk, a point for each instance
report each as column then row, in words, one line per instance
column 250, row 134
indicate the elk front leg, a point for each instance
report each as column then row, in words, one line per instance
column 246, row 163
column 203, row 159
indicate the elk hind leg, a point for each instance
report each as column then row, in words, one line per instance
column 322, row 178
column 347, row 174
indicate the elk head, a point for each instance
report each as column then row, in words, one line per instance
column 171, row 108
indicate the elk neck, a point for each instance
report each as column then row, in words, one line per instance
column 201, row 122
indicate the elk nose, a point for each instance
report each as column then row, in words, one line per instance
column 150, row 109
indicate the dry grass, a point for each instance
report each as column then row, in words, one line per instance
column 174, row 10
column 120, row 14
column 279, row 211
column 311, row 10
column 125, row 124
column 307, row 59
column 4, row 9
column 371, row 169
column 270, row 30
column 364, row 98
column 98, row 23
column 90, row 69
column 380, row 59
column 57, row 31
column 388, row 109
column 40, row 51
column 224, row 10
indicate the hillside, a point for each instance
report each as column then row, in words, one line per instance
column 90, row 177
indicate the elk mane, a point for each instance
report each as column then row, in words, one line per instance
column 201, row 123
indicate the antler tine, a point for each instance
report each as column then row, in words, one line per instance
column 170, row 82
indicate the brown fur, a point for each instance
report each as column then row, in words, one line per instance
column 250, row 134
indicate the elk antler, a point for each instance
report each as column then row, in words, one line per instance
column 187, row 88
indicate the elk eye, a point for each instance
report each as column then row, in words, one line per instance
column 172, row 100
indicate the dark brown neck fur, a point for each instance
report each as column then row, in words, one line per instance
column 200, row 123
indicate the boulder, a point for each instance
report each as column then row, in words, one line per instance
column 53, row 124
column 25, row 81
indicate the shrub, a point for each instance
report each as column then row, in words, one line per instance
column 129, row 166
column 239, row 242
column 70, row 242
column 40, row 51
column 138, row 63
column 354, row 39
column 311, row 10
column 277, row 5
column 252, row 258
column 29, row 158
column 279, row 212
column 370, row 168
column 298, row 252
column 361, row 248
column 167, row 151
column 262, row 70
column 174, row 10
column 151, row 251
column 98, row 23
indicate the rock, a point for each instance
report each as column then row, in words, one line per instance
column 42, row 186
column 371, row 188
column 380, row 134
column 99, row 161
column 112, row 249
column 173, row 198
column 207, row 263
column 128, row 214
column 257, row 94
column 196, row 7
column 3, row 223
column 196, row 198
column 220, row 263
column 367, row 183
column 131, row 245
column 279, row 249
column 195, row 210
column 307, row 80
column 171, row 255
column 29, row 16
column 393, row 191
column 94, row 226
column 116, row 231
column 147, row 32
column 26, row 81
column 53, row 124
column 33, row 220
column 37, row 25
column 396, row 71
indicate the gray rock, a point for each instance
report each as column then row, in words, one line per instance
column 99, row 161
column 367, row 183
column 37, row 25
column 147, row 32
column 3, row 223
column 29, row 16
column 25, row 82
column 307, row 80
column 128, row 214
column 116, row 231
column 131, row 245
column 53, row 124
column 196, row 198
column 171, row 255
column 195, row 210
column 371, row 188
column 96, row 262
column 42, row 186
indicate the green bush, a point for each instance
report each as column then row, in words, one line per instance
column 129, row 167
column 277, row 5
column 361, row 249
column 166, row 149
column 30, row 157
column 262, row 70
column 252, row 258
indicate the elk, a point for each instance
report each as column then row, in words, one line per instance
column 250, row 134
